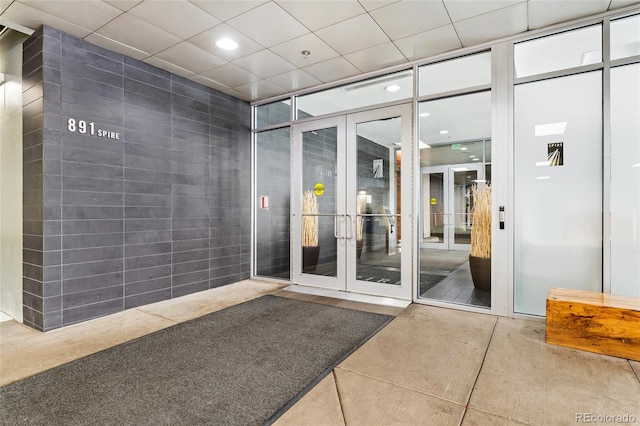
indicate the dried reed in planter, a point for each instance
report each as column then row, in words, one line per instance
column 481, row 230
column 361, row 207
column 309, row 219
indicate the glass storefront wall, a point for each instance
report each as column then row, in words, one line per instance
column 272, row 213
column 558, row 188
column 455, row 135
column 562, row 89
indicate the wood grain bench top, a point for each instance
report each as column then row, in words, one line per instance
column 594, row 298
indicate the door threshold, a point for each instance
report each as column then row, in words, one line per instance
column 355, row 297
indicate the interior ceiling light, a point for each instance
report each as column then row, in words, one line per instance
column 392, row 88
column 226, row 44
column 636, row 165
column 475, row 159
column 543, row 177
column 460, row 169
column 464, row 148
column 550, row 129
column 443, row 132
column 424, row 114
column 543, row 163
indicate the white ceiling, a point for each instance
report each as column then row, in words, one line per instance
column 345, row 37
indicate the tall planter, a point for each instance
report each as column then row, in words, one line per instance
column 310, row 247
column 480, row 257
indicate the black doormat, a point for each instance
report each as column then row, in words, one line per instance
column 428, row 281
column 244, row 365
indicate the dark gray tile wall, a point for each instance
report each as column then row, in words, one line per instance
column 111, row 224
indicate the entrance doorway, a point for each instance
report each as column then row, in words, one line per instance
column 348, row 209
column 447, row 205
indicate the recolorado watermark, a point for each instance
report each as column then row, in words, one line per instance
column 605, row 418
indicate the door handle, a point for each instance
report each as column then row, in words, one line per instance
column 349, row 226
column 335, row 227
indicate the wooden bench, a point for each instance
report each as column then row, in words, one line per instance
column 594, row 322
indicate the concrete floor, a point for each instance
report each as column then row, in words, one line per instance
column 429, row 366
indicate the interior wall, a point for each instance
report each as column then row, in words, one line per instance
column 11, row 174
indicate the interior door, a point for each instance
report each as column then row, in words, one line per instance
column 447, row 205
column 350, row 168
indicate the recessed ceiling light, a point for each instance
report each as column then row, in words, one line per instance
column 226, row 44
column 472, row 156
column 392, row 88
column 475, row 159
column 464, row 148
column 443, row 132
column 424, row 114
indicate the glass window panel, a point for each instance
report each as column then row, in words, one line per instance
column 625, row 37
column 558, row 188
column 272, row 181
column 558, row 52
column 454, row 130
column 388, row 88
column 455, row 74
column 319, row 162
column 273, row 113
column 625, row 180
column 378, row 201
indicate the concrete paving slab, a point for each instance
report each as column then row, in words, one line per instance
column 26, row 352
column 432, row 350
column 321, row 406
column 367, row 401
column 205, row 302
column 479, row 418
column 527, row 380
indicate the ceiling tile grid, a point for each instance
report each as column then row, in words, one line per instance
column 343, row 38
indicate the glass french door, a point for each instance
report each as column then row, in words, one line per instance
column 447, row 205
column 347, row 204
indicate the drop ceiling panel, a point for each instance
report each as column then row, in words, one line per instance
column 429, row 43
column 332, row 70
column 616, row 4
column 493, row 25
column 294, row 80
column 403, row 19
column 114, row 46
column 292, row 50
column 316, row 15
column 230, row 75
column 190, row 57
column 87, row 14
column 144, row 36
column 459, row 10
column 268, row 24
column 123, row 4
column 207, row 41
column 548, row 12
column 227, row 9
column 377, row 57
column 4, row 4
column 172, row 68
column 264, row 64
column 178, row 17
column 370, row 5
column 354, row 34
column 27, row 16
column 259, row 89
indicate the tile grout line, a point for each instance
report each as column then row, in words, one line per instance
column 401, row 386
column 466, row 405
column 335, row 380
column 634, row 370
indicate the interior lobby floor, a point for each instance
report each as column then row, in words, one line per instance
column 429, row 366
